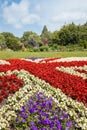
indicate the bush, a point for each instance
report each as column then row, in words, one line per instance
column 44, row 48
column 84, row 44
column 36, row 49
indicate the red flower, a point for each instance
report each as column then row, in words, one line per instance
column 1, row 98
column 9, row 84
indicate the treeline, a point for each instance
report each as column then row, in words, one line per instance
column 69, row 37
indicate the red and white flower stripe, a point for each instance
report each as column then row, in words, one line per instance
column 75, row 70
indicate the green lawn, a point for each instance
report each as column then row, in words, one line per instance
column 9, row 55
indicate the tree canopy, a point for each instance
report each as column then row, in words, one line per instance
column 68, row 35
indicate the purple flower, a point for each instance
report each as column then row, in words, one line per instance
column 39, row 122
column 31, row 123
column 68, row 123
column 31, row 110
column 57, row 122
column 40, row 94
column 23, row 121
column 55, row 117
column 51, row 124
column 67, row 128
column 34, row 128
column 47, row 115
column 30, row 101
column 17, row 119
column 59, row 127
column 44, row 122
column 24, row 115
column 23, row 109
column 42, row 113
column 43, row 104
column 43, row 129
column 34, row 58
column 65, row 114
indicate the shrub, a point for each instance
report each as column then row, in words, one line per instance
column 44, row 48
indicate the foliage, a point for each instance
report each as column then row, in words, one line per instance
column 69, row 34
column 54, row 47
column 11, row 41
column 7, row 35
column 2, row 42
column 36, row 50
column 55, row 37
column 44, row 48
column 84, row 44
column 46, row 36
column 66, row 38
column 31, row 39
column 14, row 44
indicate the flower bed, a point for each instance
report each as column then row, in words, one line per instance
column 9, row 84
column 61, row 83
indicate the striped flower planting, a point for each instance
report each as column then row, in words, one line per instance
column 63, row 80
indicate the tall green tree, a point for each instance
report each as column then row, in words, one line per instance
column 45, row 30
column 46, row 36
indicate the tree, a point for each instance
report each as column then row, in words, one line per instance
column 46, row 36
column 83, row 32
column 14, row 44
column 84, row 44
column 11, row 41
column 7, row 35
column 45, row 30
column 55, row 37
column 2, row 42
column 69, row 34
column 31, row 39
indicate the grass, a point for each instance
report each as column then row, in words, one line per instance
column 20, row 54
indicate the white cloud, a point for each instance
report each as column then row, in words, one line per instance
column 37, row 7
column 18, row 14
column 56, row 13
column 37, row 13
column 69, row 16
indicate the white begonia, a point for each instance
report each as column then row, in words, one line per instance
column 9, row 72
column 73, row 71
column 2, row 74
column 3, row 123
column 10, row 115
column 3, row 62
column 69, row 59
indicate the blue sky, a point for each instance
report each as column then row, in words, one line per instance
column 18, row 16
